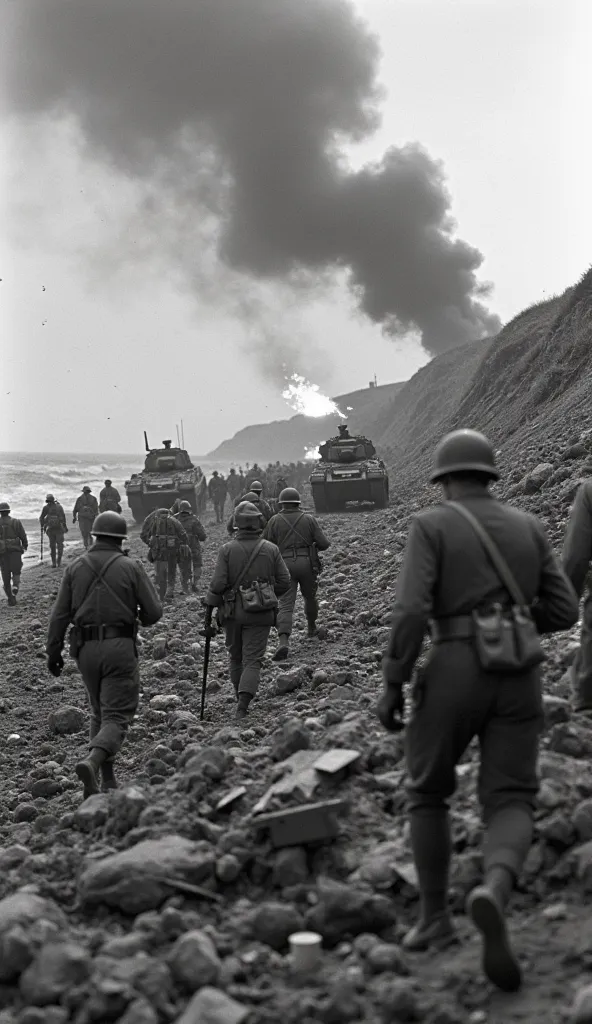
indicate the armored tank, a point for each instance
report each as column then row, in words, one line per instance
column 348, row 470
column 168, row 475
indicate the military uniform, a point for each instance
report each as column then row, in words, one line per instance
column 298, row 536
column 234, row 485
column 259, row 502
column 102, row 593
column 446, row 577
column 109, row 499
column 13, row 542
column 217, row 493
column 86, row 509
column 165, row 536
column 53, row 523
column 247, row 633
column 577, row 555
column 191, row 564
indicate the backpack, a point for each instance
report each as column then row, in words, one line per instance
column 163, row 542
column 53, row 519
column 87, row 508
column 9, row 540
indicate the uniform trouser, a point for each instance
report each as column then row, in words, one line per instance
column 246, row 649
column 219, row 508
column 11, row 565
column 190, row 569
column 85, row 528
column 455, row 701
column 581, row 670
column 166, row 572
column 302, row 576
column 110, row 672
column 56, row 544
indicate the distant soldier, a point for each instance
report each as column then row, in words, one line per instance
column 13, row 542
column 577, row 555
column 456, row 575
column 299, row 538
column 217, row 493
column 191, row 561
column 165, row 537
column 280, row 485
column 86, row 509
column 234, row 484
column 241, row 561
column 102, row 593
column 257, row 489
column 344, row 434
column 254, row 476
column 53, row 523
column 256, row 500
column 109, row 498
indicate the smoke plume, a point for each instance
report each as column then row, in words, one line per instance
column 240, row 111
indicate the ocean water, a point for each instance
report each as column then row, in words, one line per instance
column 26, row 477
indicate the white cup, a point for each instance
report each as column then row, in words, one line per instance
column 306, row 949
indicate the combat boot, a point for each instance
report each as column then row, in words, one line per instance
column 499, row 962
column 86, row 772
column 283, row 650
column 312, row 629
column 108, row 780
column 244, row 699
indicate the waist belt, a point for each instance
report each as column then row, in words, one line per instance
column 457, row 627
column 107, row 632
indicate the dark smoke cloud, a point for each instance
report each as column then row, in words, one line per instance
column 239, row 108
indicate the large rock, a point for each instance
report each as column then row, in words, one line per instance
column 272, row 923
column 126, row 806
column 211, row 1006
column 194, row 961
column 22, row 916
column 571, row 739
column 343, row 911
column 286, row 682
column 92, row 813
column 66, row 720
column 134, row 880
column 291, row 737
column 57, row 968
column 534, row 481
column 165, row 701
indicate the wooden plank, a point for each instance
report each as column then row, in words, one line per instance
column 231, row 798
column 334, row 761
column 309, row 823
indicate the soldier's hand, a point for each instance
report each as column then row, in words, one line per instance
column 390, row 708
column 55, row 665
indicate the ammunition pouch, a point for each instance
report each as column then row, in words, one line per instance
column 257, row 596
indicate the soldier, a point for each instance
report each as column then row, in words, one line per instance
column 234, row 484
column 217, row 493
column 577, row 554
column 87, row 509
column 165, row 537
column 109, row 498
column 192, row 560
column 280, row 485
column 255, row 500
column 299, row 538
column 448, row 577
column 254, row 476
column 246, row 558
column 102, row 593
column 53, row 523
column 344, row 434
column 13, row 542
column 257, row 489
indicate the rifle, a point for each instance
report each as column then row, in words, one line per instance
column 206, row 632
column 41, row 559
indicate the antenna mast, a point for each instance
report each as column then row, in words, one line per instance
column 182, row 435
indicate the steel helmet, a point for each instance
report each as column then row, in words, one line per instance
column 4, row 506
column 464, row 451
column 109, row 524
column 49, row 497
column 86, row 488
column 257, row 486
column 289, row 496
column 247, row 514
column 185, row 506
column 163, row 511
column 250, row 496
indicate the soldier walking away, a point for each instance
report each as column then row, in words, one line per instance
column 191, row 562
column 165, row 537
column 86, row 509
column 255, row 499
column 13, row 542
column 109, row 498
column 448, row 577
column 577, row 555
column 53, row 523
column 280, row 485
column 242, row 561
column 217, row 493
column 234, row 484
column 102, row 593
column 299, row 538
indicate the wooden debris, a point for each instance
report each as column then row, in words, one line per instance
column 308, row 823
column 231, row 797
column 335, row 761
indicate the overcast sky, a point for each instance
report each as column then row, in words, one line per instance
column 101, row 339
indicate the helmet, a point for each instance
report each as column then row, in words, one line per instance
column 4, row 506
column 109, row 524
column 463, row 451
column 86, row 488
column 185, row 506
column 247, row 514
column 289, row 496
column 49, row 497
column 163, row 511
column 257, row 486
column 250, row 496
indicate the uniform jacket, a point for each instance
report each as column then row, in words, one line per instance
column 234, row 485
column 447, row 573
column 260, row 503
column 12, row 532
column 577, row 547
column 126, row 594
column 109, row 497
column 280, row 530
column 173, row 525
column 217, row 488
column 51, row 511
column 86, row 506
column 268, row 564
column 193, row 528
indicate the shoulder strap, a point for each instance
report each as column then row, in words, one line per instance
column 293, row 529
column 99, row 577
column 497, row 559
column 248, row 563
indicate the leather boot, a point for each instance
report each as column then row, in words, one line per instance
column 499, row 962
column 86, row 772
column 108, row 780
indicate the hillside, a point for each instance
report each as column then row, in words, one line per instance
column 287, row 440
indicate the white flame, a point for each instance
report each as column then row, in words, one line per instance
column 307, row 399
column 312, row 454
